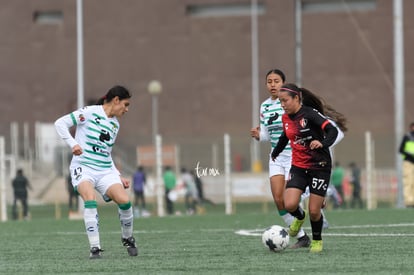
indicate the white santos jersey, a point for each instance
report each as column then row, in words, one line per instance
column 95, row 134
column 271, row 126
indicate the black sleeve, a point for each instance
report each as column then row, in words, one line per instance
column 330, row 131
column 281, row 144
column 331, row 134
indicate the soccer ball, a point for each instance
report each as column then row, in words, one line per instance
column 276, row 238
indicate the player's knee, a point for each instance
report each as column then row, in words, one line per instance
column 290, row 206
column 314, row 214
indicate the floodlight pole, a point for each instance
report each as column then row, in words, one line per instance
column 298, row 42
column 255, row 152
column 399, row 92
column 79, row 33
column 80, row 84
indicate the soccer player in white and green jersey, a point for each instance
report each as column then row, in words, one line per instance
column 270, row 129
column 92, row 167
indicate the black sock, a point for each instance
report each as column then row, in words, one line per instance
column 317, row 229
column 298, row 213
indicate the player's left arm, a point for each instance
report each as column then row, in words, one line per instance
column 331, row 132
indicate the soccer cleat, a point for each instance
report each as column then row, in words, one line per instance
column 302, row 242
column 130, row 245
column 316, row 246
column 95, row 253
column 296, row 225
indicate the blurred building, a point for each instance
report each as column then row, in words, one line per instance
column 200, row 50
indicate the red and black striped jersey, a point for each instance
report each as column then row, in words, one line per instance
column 300, row 129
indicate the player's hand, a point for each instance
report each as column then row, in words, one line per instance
column 315, row 144
column 255, row 133
column 77, row 150
column 125, row 182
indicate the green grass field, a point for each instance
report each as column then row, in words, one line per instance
column 358, row 242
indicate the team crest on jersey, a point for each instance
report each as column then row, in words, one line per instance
column 286, row 126
column 81, row 118
column 114, row 126
column 303, row 122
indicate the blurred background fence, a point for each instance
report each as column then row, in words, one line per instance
column 48, row 174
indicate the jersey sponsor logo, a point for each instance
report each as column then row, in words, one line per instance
column 272, row 118
column 96, row 149
column 301, row 141
column 104, row 136
column 274, row 128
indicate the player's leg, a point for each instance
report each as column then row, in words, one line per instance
column 292, row 199
column 316, row 220
column 279, row 172
column 318, row 185
column 118, row 194
column 90, row 216
column 25, row 208
column 295, row 186
column 143, row 204
column 14, row 208
column 136, row 210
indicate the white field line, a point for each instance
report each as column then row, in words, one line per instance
column 258, row 232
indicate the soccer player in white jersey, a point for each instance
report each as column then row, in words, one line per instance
column 270, row 129
column 92, row 167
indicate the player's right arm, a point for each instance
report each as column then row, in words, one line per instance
column 62, row 125
column 263, row 133
column 260, row 133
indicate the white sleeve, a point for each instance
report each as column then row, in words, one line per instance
column 264, row 134
column 340, row 135
column 62, row 126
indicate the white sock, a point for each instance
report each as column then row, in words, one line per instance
column 301, row 233
column 126, row 218
column 288, row 218
column 90, row 217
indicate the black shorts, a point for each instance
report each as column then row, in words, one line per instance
column 317, row 180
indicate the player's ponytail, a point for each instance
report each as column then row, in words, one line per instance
column 318, row 103
column 116, row 91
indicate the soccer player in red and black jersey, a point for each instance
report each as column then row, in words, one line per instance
column 310, row 134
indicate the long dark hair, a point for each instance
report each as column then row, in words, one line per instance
column 116, row 91
column 310, row 99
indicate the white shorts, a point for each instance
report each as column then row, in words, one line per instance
column 280, row 166
column 101, row 180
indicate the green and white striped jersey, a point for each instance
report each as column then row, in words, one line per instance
column 271, row 126
column 95, row 134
